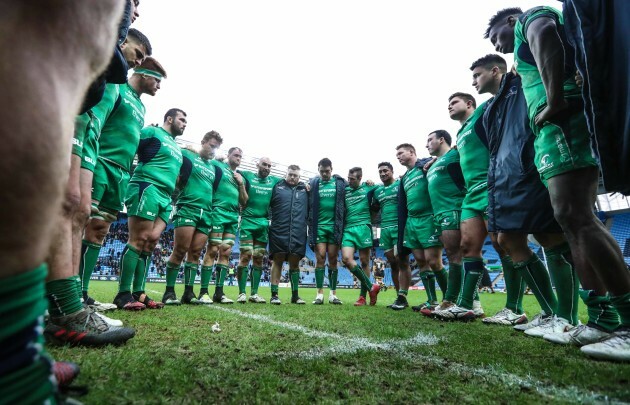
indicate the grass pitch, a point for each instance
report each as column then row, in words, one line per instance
column 333, row 354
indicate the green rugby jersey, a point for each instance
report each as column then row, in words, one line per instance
column 358, row 205
column 259, row 192
column 104, row 108
column 121, row 133
column 159, row 159
column 474, row 154
column 198, row 176
column 417, row 191
column 387, row 199
column 445, row 194
column 533, row 87
column 226, row 194
column 327, row 197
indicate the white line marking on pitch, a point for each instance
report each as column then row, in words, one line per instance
column 491, row 374
column 348, row 345
column 343, row 344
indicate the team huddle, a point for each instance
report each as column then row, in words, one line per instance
column 523, row 163
column 510, row 172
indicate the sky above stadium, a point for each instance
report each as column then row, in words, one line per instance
column 298, row 81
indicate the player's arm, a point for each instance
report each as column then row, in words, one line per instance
column 148, row 147
column 371, row 197
column 243, row 197
column 548, row 51
column 455, row 171
column 184, row 173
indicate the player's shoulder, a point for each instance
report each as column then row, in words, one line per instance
column 218, row 163
column 535, row 13
column 189, row 152
column 451, row 155
column 149, row 130
column 246, row 174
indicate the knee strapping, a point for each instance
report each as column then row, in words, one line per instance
column 259, row 253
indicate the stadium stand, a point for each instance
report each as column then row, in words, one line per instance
column 109, row 258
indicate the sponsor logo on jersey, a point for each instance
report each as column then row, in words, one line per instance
column 545, row 163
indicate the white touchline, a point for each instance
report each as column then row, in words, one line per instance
column 348, row 345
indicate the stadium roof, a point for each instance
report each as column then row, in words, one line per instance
column 249, row 162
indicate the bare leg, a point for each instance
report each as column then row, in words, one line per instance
column 393, row 262
column 573, row 197
column 333, row 254
column 320, row 265
column 82, row 215
column 73, row 41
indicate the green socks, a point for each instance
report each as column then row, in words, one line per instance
column 63, row 297
column 622, row 304
column 241, row 273
column 221, row 273
column 565, row 280
column 455, row 275
column 256, row 275
column 428, row 281
column 26, row 369
column 89, row 257
column 206, row 275
column 600, row 311
column 333, row 275
column 294, row 276
column 537, row 278
column 366, row 285
column 319, row 277
column 441, row 276
column 473, row 271
column 172, row 270
column 140, row 277
column 129, row 261
column 514, row 286
column 190, row 273
column 274, row 289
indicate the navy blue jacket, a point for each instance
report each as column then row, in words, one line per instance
column 289, row 211
column 517, row 199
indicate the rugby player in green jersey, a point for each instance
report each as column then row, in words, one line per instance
column 357, row 233
column 447, row 190
column 326, row 216
column 77, row 39
column 229, row 194
column 254, row 228
column 417, row 232
column 512, row 178
column 66, row 310
column 537, row 39
column 192, row 220
column 148, row 201
column 474, row 160
column 118, row 142
column 385, row 199
column 136, row 49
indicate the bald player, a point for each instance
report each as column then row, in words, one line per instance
column 254, row 227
